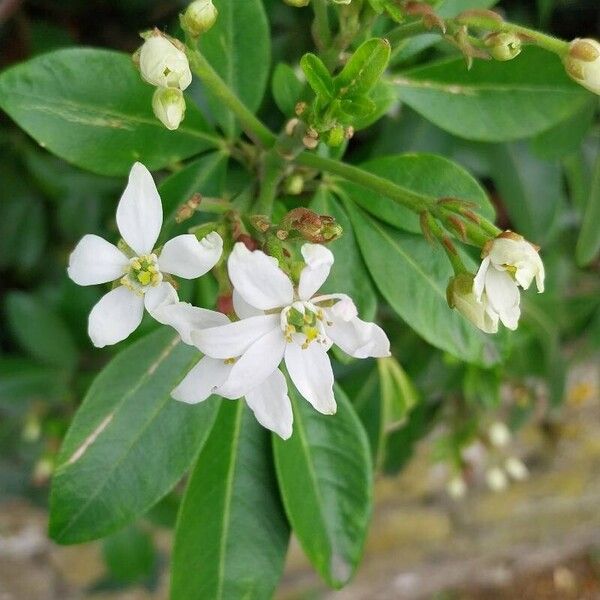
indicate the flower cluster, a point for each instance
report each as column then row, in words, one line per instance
column 279, row 319
column 492, row 295
column 163, row 63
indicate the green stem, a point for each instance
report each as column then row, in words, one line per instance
column 270, row 179
column 455, row 260
column 406, row 31
column 385, row 187
column 253, row 127
column 548, row 42
column 321, row 30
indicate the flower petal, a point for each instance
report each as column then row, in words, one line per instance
column 115, row 316
column 95, row 260
column 310, row 370
column 185, row 318
column 271, row 405
column 479, row 280
column 159, row 297
column 255, row 365
column 258, row 278
column 187, row 257
column 319, row 260
column 202, row 381
column 358, row 338
column 233, row 339
column 139, row 214
column 503, row 296
column 242, row 309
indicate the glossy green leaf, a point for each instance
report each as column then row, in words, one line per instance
column 286, row 88
column 204, row 176
column 451, row 8
column 494, row 101
column 232, row 534
column 22, row 380
column 130, row 555
column 398, row 393
column 40, row 331
column 413, row 276
column 588, row 244
column 91, row 107
column 383, row 96
column 318, row 76
column 324, row 473
column 130, row 442
column 364, row 68
column 426, row 174
column 349, row 274
column 531, row 189
column 238, row 47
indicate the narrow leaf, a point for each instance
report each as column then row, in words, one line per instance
column 318, row 76
column 588, row 244
column 364, row 68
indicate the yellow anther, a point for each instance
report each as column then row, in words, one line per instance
column 229, row 361
column 144, row 277
column 137, row 265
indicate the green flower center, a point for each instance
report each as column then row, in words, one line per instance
column 143, row 272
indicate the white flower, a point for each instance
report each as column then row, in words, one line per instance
column 516, row 469
column 277, row 322
column 163, row 64
column 140, row 273
column 509, row 261
column 168, row 105
column 499, row 434
column 496, row 479
column 461, row 296
column 582, row 63
column 199, row 17
column 456, row 487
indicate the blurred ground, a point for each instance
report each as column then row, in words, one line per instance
column 538, row 540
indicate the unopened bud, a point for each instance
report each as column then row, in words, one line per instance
column 516, row 469
column 297, row 3
column 163, row 64
column 456, row 487
column 499, row 434
column 582, row 63
column 460, row 295
column 496, row 479
column 336, row 136
column 199, row 17
column 310, row 142
column 318, row 229
column 294, row 185
column 503, row 45
column 300, row 107
column 168, row 105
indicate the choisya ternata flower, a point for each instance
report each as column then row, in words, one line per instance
column 509, row 262
column 138, row 272
column 582, row 63
column 163, row 64
column 461, row 296
column 278, row 321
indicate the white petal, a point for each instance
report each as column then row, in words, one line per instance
column 115, row 316
column 359, row 338
column 503, row 296
column 242, row 309
column 202, row 381
column 318, row 261
column 139, row 214
column 258, row 278
column 479, row 281
column 310, row 370
column 159, row 297
column 233, row 339
column 95, row 260
column 187, row 257
column 271, row 405
column 255, row 365
column 185, row 318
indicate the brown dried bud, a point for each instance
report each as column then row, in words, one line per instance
column 187, row 210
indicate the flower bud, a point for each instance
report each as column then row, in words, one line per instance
column 460, row 295
column 336, row 135
column 499, row 434
column 456, row 487
column 496, row 479
column 199, row 17
column 163, row 64
column 169, row 106
column 503, row 45
column 516, row 469
column 297, row 3
column 582, row 63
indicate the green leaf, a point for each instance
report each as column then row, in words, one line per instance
column 204, row 176
column 130, row 442
column 365, row 67
column 349, row 274
column 239, row 48
column 357, row 108
column 232, row 534
column 286, row 88
column 588, row 244
column 494, row 101
column 22, row 380
column 531, row 189
column 40, row 331
column 451, row 8
column 90, row 107
column 426, row 174
column 130, row 555
column 382, row 96
column 318, row 76
column 412, row 276
column 398, row 393
column 324, row 473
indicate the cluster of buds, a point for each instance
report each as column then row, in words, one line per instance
column 582, row 63
column 163, row 63
column 332, row 132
